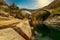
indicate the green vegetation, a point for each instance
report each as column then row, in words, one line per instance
column 56, row 10
column 43, row 15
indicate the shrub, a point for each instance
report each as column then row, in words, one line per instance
column 56, row 10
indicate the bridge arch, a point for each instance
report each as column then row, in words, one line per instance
column 43, row 15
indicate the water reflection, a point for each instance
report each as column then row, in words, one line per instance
column 42, row 32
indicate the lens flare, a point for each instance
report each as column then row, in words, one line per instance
column 43, row 3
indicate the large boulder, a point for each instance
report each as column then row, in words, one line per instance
column 15, row 29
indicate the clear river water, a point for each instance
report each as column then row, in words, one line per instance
column 42, row 32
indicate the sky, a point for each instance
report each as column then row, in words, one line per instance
column 30, row 4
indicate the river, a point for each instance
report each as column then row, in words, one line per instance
column 42, row 32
